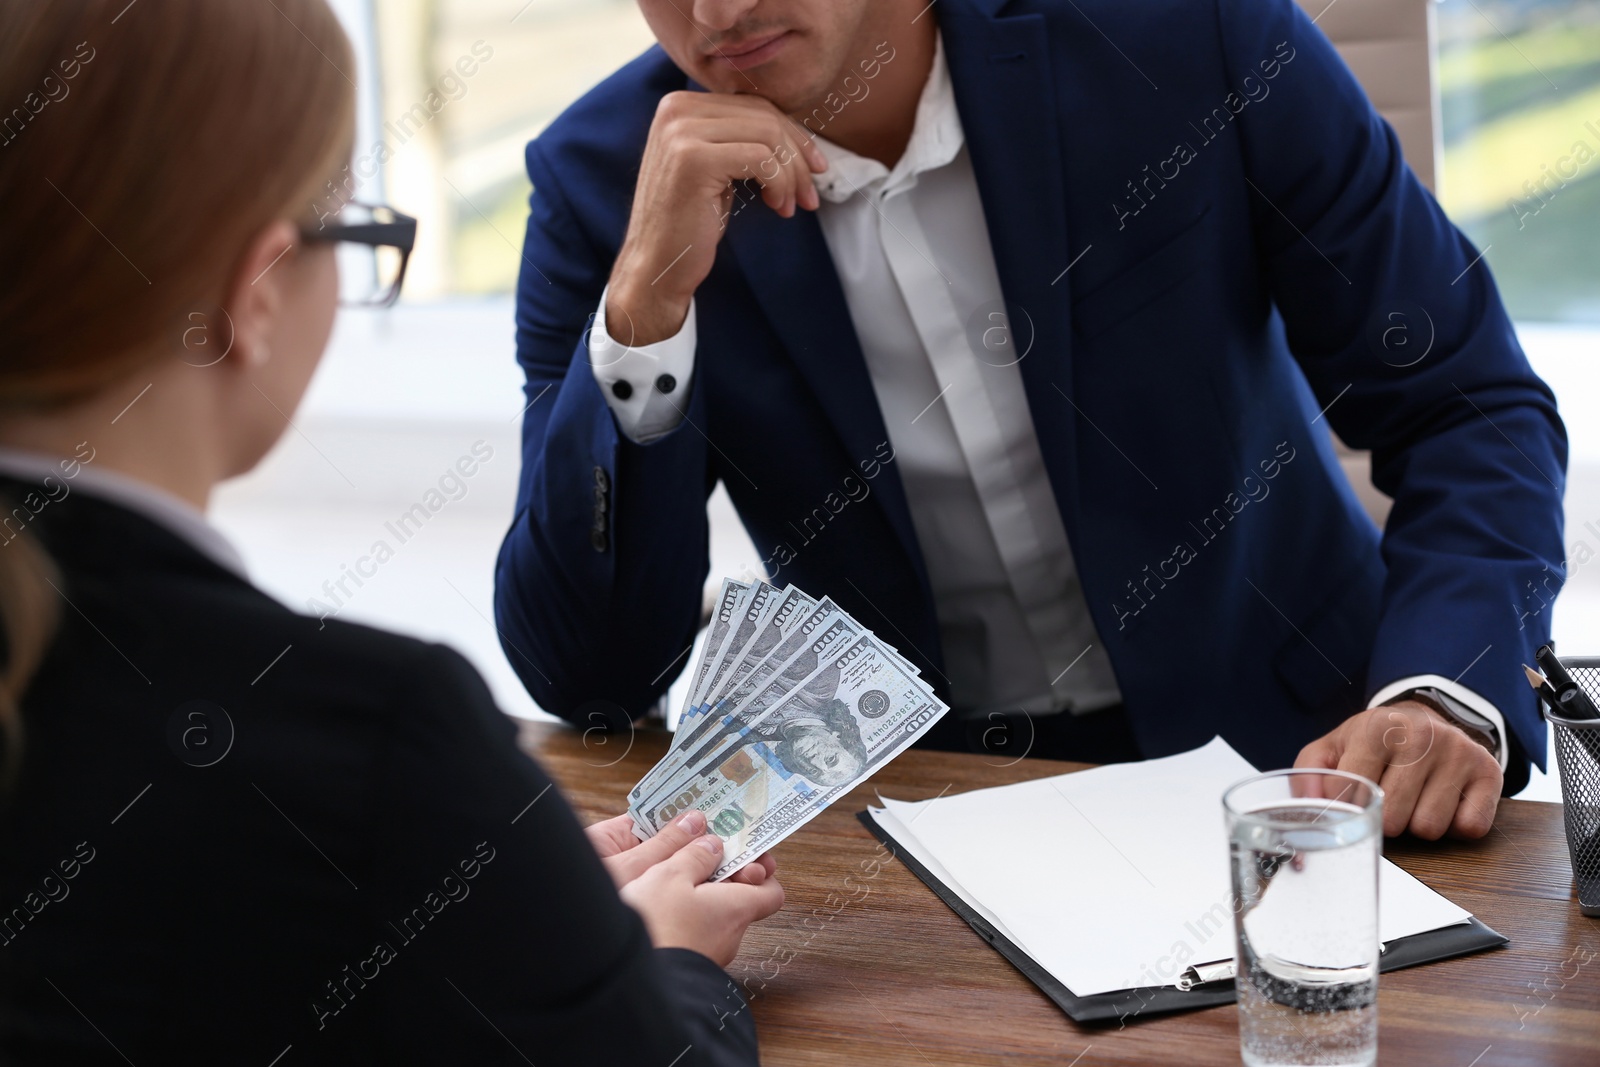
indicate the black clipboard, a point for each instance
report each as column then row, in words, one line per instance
column 1128, row 1005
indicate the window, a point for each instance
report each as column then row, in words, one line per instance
column 465, row 85
column 452, row 91
column 1519, row 83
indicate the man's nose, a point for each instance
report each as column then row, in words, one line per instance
column 721, row 15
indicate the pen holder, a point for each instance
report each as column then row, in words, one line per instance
column 1578, row 756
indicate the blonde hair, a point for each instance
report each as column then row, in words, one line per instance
column 146, row 145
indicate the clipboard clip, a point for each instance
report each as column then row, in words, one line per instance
column 1200, row 974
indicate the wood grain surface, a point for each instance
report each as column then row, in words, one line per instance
column 864, row 965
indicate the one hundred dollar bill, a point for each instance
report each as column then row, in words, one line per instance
column 855, row 712
column 753, row 609
column 699, row 720
column 787, row 613
column 722, row 619
column 833, row 629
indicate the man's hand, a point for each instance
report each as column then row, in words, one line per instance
column 1435, row 778
column 626, row 857
column 699, row 145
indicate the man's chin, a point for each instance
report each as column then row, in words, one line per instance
column 784, row 82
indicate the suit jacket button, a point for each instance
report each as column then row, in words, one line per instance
column 597, row 538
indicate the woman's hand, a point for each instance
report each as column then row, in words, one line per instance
column 683, row 910
column 626, row 857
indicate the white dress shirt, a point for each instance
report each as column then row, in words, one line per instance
column 911, row 248
column 159, row 506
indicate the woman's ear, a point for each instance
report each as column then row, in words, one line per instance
column 255, row 296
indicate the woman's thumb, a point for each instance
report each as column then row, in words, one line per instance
column 648, row 853
column 699, row 859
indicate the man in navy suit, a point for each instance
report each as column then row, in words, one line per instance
column 1017, row 327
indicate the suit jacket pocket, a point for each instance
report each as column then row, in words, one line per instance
column 1145, row 281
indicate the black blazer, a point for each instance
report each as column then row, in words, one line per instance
column 239, row 834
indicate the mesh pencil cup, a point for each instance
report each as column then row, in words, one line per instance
column 1578, row 756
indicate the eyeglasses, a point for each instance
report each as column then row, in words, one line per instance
column 375, row 244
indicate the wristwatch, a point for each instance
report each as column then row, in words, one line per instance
column 1476, row 725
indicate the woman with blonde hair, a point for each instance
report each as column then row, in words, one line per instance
column 340, row 858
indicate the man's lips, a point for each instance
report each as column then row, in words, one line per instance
column 752, row 53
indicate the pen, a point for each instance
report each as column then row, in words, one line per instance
column 1564, row 696
column 1566, row 699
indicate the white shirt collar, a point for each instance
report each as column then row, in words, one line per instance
column 159, row 506
column 936, row 138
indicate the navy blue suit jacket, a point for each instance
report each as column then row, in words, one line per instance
column 1250, row 258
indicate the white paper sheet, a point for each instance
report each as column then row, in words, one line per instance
column 1116, row 877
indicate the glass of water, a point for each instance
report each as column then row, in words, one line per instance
column 1305, row 846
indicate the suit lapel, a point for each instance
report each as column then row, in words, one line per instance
column 787, row 265
column 1005, row 92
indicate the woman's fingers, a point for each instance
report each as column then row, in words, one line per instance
column 697, row 859
column 612, row 836
column 753, row 873
column 627, row 866
column 746, row 904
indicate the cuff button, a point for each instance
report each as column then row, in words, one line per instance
column 597, row 539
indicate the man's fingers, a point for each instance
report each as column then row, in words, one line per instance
column 1402, row 787
column 1319, row 754
column 786, row 169
column 739, row 114
column 1479, row 801
column 646, row 854
column 1435, row 780
column 1363, row 754
column 808, row 144
column 759, row 148
column 810, row 199
column 1436, row 807
column 758, row 161
column 805, row 160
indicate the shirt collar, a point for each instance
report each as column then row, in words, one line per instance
column 159, row 506
column 936, row 138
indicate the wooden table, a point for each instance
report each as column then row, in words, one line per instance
column 864, row 965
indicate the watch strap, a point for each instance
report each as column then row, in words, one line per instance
column 1476, row 725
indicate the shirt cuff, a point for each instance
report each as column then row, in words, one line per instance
column 647, row 386
column 1454, row 689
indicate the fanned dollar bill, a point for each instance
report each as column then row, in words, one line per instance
column 752, row 612
column 723, row 615
column 826, row 621
column 792, row 704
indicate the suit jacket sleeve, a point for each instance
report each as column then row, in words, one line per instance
column 598, row 584
column 506, row 937
column 1398, row 326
